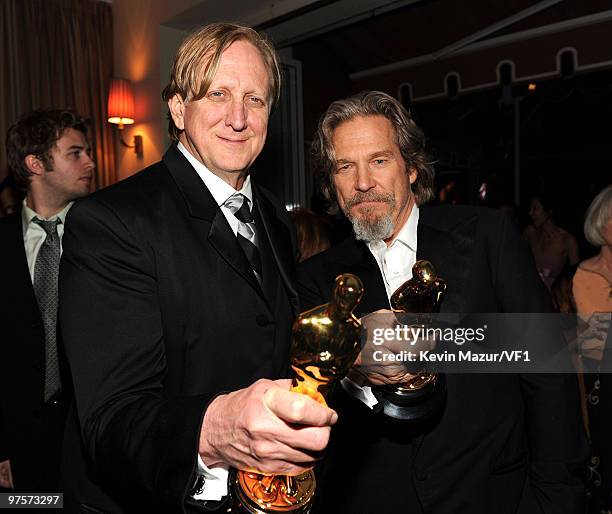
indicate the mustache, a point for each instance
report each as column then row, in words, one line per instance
column 360, row 197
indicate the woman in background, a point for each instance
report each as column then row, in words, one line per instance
column 312, row 233
column 592, row 290
column 592, row 284
column 553, row 248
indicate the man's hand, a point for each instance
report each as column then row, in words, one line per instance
column 6, row 477
column 380, row 361
column 265, row 428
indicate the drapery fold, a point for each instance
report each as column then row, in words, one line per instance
column 58, row 54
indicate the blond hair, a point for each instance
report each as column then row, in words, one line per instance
column 197, row 60
column 597, row 217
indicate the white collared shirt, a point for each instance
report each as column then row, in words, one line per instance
column 219, row 189
column 395, row 262
column 34, row 235
column 397, row 259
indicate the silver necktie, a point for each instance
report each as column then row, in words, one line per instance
column 46, row 270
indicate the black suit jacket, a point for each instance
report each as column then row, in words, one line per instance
column 504, row 443
column 161, row 312
column 30, row 432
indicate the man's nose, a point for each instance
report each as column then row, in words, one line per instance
column 89, row 162
column 236, row 116
column 363, row 179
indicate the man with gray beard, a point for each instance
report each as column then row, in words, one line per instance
column 503, row 443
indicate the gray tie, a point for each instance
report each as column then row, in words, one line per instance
column 247, row 238
column 46, row 271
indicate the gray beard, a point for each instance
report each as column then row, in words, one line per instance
column 366, row 227
column 372, row 230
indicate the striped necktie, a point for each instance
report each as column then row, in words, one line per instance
column 238, row 204
column 46, row 271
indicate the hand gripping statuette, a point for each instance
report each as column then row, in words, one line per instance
column 422, row 395
column 326, row 341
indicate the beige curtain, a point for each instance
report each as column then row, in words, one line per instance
column 58, row 54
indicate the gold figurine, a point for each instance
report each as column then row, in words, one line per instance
column 325, row 342
column 421, row 295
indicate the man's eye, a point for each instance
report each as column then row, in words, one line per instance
column 343, row 167
column 256, row 100
column 216, row 94
column 379, row 161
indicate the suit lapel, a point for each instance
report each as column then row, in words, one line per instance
column 202, row 205
column 224, row 241
column 356, row 258
column 375, row 296
column 279, row 239
column 200, row 202
column 450, row 251
column 18, row 261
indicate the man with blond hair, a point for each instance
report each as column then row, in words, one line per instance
column 177, row 296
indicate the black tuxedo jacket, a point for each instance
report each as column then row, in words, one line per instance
column 30, row 432
column 504, row 443
column 161, row 312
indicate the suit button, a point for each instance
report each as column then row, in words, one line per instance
column 421, row 474
column 262, row 320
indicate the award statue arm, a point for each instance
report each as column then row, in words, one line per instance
column 556, row 440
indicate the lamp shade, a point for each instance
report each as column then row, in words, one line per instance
column 121, row 102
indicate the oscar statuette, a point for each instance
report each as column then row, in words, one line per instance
column 423, row 394
column 325, row 342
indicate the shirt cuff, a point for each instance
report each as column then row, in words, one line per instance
column 363, row 393
column 215, row 482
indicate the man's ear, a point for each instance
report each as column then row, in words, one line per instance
column 412, row 175
column 176, row 106
column 34, row 164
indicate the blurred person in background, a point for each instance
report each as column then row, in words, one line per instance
column 553, row 248
column 49, row 158
column 592, row 290
column 10, row 197
column 312, row 232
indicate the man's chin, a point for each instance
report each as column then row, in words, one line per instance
column 370, row 213
column 367, row 218
column 372, row 228
column 230, row 166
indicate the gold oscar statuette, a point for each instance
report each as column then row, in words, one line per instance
column 423, row 394
column 325, row 342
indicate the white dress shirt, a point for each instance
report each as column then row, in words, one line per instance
column 34, row 235
column 215, row 479
column 396, row 259
column 395, row 262
column 219, row 189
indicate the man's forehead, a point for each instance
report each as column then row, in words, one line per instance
column 374, row 132
column 235, row 54
column 71, row 138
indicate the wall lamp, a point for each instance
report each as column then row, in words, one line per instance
column 121, row 111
